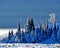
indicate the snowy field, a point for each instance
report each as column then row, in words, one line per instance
column 29, row 45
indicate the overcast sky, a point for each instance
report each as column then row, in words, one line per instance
column 29, row 7
column 12, row 10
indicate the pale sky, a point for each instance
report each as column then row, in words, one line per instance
column 12, row 10
column 29, row 7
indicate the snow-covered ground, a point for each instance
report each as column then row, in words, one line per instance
column 29, row 45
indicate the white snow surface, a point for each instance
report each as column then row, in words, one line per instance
column 29, row 45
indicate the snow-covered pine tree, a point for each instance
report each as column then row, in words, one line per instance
column 46, row 26
column 55, row 30
column 18, row 25
column 30, row 24
column 28, row 27
column 41, row 33
column 46, row 29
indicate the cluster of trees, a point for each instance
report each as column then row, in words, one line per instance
column 10, row 34
column 33, row 34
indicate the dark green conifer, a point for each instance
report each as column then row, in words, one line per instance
column 9, row 34
column 18, row 25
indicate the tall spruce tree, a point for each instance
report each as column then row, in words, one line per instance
column 46, row 24
column 46, row 29
column 18, row 25
column 30, row 23
column 55, row 30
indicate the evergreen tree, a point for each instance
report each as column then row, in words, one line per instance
column 54, row 25
column 55, row 31
column 19, row 31
column 9, row 35
column 46, row 30
column 46, row 26
column 30, row 24
column 18, row 25
column 11, row 32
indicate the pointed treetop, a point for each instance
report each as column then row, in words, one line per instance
column 12, row 32
column 28, row 20
column 46, row 24
column 9, row 34
column 18, row 25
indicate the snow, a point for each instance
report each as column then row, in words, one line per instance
column 29, row 45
